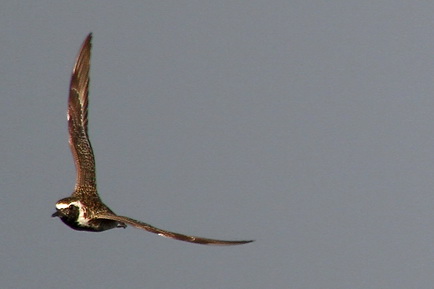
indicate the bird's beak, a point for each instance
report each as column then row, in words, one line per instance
column 56, row 214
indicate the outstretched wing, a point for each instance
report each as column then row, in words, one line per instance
column 77, row 119
column 167, row 234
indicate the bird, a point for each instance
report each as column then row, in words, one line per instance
column 84, row 209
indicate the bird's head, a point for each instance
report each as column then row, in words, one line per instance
column 71, row 212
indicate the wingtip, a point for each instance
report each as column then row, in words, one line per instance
column 84, row 52
column 88, row 40
column 247, row 241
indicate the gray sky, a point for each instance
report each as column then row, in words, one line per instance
column 306, row 125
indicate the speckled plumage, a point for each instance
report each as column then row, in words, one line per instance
column 84, row 210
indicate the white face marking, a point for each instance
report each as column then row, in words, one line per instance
column 81, row 219
column 65, row 205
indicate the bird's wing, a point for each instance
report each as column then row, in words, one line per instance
column 77, row 119
column 168, row 234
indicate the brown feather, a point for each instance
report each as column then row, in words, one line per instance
column 79, row 142
column 168, row 234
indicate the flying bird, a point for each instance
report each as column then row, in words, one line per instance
column 84, row 210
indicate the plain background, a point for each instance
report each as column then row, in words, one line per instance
column 305, row 125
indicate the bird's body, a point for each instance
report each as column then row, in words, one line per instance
column 84, row 210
